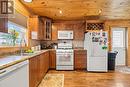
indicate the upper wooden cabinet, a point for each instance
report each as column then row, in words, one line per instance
column 4, row 25
column 35, row 27
column 40, row 28
column 79, row 30
column 47, row 27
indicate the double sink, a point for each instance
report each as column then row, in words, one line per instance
column 6, row 61
column 10, row 59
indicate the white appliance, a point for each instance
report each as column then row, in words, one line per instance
column 65, row 45
column 15, row 76
column 65, row 34
column 96, row 44
column 64, row 57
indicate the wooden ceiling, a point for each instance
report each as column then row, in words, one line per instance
column 80, row 9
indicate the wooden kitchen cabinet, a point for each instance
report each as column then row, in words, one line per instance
column 46, row 60
column 47, row 28
column 38, row 66
column 35, row 26
column 40, row 28
column 55, row 32
column 4, row 25
column 52, row 61
column 41, row 67
column 79, row 30
column 80, row 59
column 33, row 71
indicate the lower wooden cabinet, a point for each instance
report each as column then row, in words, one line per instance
column 46, row 61
column 80, row 59
column 33, row 71
column 52, row 61
column 38, row 66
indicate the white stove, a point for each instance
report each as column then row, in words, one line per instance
column 64, row 57
column 64, row 50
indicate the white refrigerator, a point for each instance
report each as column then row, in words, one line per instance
column 96, row 44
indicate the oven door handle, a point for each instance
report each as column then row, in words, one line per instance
column 64, row 54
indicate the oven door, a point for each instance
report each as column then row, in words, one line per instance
column 64, row 59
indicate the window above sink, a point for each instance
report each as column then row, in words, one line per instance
column 14, row 36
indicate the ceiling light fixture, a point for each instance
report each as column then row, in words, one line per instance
column 100, row 11
column 60, row 12
column 28, row 1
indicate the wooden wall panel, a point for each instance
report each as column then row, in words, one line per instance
column 119, row 23
column 4, row 25
column 4, row 28
column 22, row 9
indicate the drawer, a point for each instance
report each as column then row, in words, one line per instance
column 80, row 52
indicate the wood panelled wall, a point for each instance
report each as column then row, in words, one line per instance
column 7, row 50
column 77, row 26
column 22, row 9
column 3, row 24
column 119, row 23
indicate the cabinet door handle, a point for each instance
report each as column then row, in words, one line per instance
column 3, row 72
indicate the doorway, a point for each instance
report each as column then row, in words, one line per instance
column 119, row 44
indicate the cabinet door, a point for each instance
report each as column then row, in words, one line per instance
column 55, row 31
column 33, row 72
column 80, row 57
column 52, row 59
column 39, row 69
column 35, row 27
column 46, row 61
column 79, row 31
column 43, row 65
column 41, row 32
column 47, row 28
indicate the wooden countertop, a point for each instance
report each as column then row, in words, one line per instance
column 14, row 59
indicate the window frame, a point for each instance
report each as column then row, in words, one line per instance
column 22, row 28
column 26, row 36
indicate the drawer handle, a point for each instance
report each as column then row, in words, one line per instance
column 3, row 72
